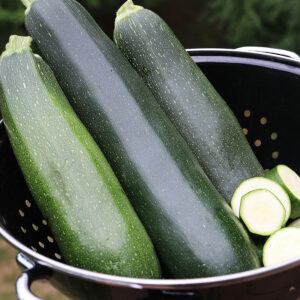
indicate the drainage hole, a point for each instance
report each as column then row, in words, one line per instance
column 35, row 227
column 27, row 202
column 247, row 113
column 274, row 136
column 50, row 239
column 257, row 143
column 58, row 256
column 263, row 121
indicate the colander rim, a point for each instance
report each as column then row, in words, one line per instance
column 140, row 283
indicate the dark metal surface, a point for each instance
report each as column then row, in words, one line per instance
column 263, row 92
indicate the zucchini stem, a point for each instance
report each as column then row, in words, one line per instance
column 27, row 3
column 124, row 11
column 17, row 44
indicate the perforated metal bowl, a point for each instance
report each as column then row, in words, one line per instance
column 263, row 90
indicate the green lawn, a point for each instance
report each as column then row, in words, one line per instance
column 9, row 272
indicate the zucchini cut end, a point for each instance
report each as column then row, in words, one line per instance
column 125, row 10
column 290, row 179
column 262, row 212
column 17, row 44
column 27, row 3
column 281, row 246
column 255, row 183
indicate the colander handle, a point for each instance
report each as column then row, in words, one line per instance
column 274, row 51
column 32, row 273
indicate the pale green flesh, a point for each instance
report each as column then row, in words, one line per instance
column 290, row 179
column 260, row 183
column 281, row 246
column 262, row 212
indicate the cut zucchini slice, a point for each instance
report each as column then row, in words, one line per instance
column 260, row 183
column 262, row 212
column 282, row 245
column 290, row 182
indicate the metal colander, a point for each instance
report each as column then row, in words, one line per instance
column 263, row 90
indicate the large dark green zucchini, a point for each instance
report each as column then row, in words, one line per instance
column 190, row 101
column 91, row 219
column 191, row 225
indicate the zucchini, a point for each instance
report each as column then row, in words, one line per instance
column 290, row 182
column 261, row 183
column 283, row 245
column 190, row 101
column 190, row 224
column 88, row 212
column 262, row 212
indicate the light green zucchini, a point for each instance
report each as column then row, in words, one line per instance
column 91, row 219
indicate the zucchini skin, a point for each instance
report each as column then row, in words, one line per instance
column 190, row 101
column 87, row 210
column 192, row 227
